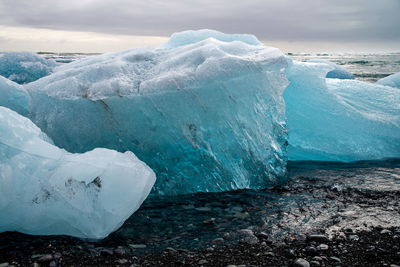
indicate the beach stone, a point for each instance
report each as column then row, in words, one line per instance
column 45, row 258
column 335, row 259
column 201, row 262
column 317, row 238
column 301, row 263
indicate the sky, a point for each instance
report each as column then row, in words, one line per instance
column 110, row 25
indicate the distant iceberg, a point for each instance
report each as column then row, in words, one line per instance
column 46, row 190
column 339, row 120
column 391, row 80
column 25, row 67
column 337, row 71
column 205, row 110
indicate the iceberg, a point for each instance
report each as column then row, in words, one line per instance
column 14, row 96
column 391, row 80
column 25, row 67
column 46, row 190
column 337, row 71
column 204, row 111
column 339, row 120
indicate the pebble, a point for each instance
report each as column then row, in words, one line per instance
column 53, row 264
column 218, row 240
column 323, row 247
column 201, row 262
column 45, row 258
column 353, row 237
column 291, row 254
column 120, row 251
column 137, row 246
column 4, row 264
column 106, row 252
column 122, row 261
column 269, row 254
column 317, row 258
column 315, row 263
column 335, row 259
column 247, row 236
column 312, row 251
column 317, row 238
column 301, row 263
column 386, row 231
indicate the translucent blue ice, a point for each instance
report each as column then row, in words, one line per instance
column 24, row 67
column 46, row 190
column 340, row 120
column 391, row 80
column 14, row 96
column 337, row 71
column 206, row 113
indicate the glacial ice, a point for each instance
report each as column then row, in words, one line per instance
column 46, row 190
column 14, row 96
column 337, row 72
column 24, row 67
column 190, row 37
column 340, row 120
column 391, row 80
column 204, row 111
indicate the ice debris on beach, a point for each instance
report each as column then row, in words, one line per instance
column 339, row 120
column 46, row 190
column 14, row 96
column 204, row 111
column 391, row 80
column 337, row 71
column 25, row 67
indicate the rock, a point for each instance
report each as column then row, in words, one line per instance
column 317, row 258
column 106, row 252
column 311, row 251
column 323, row 247
column 4, row 264
column 335, row 259
column 270, row 254
column 122, row 261
column 120, row 251
column 353, row 237
column 291, row 254
column 57, row 255
column 218, row 241
column 263, row 235
column 247, row 236
column 53, row 264
column 301, row 263
column 171, row 250
column 201, row 262
column 315, row 263
column 317, row 238
column 45, row 258
column 135, row 246
column 386, row 231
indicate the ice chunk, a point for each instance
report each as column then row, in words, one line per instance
column 207, row 116
column 24, row 67
column 343, row 120
column 337, row 72
column 391, row 80
column 191, row 37
column 46, row 190
column 14, row 96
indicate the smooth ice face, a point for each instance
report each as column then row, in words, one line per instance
column 24, row 67
column 208, row 116
column 391, row 80
column 14, row 96
column 46, row 190
column 337, row 71
column 340, row 120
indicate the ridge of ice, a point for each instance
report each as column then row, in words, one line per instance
column 391, row 80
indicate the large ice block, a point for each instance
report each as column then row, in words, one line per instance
column 205, row 113
column 337, row 72
column 340, row 120
column 24, row 67
column 46, row 190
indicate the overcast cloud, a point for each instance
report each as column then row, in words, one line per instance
column 290, row 20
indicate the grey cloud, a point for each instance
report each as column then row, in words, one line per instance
column 290, row 20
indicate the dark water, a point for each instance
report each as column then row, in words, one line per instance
column 320, row 195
